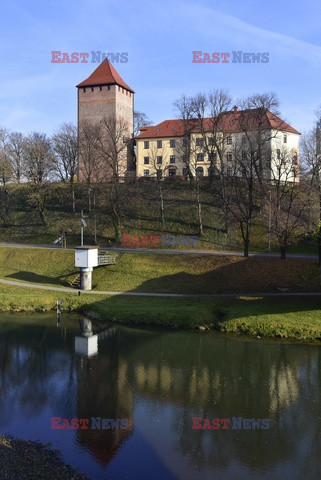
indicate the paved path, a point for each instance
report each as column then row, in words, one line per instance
column 171, row 251
column 145, row 294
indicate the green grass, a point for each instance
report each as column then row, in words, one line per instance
column 160, row 273
column 296, row 317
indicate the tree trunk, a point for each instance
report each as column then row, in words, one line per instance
column 73, row 197
column 199, row 211
column 161, row 204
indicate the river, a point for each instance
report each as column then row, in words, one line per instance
column 149, row 387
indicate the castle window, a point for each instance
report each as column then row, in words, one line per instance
column 211, row 141
column 146, row 173
column 284, row 138
column 108, row 87
column 100, row 88
column 200, row 172
column 92, row 89
column 229, row 157
column 278, row 154
column 146, row 160
column 146, row 144
column 159, row 143
column 199, row 142
column 295, row 159
column 172, row 159
column 84, row 90
column 200, row 157
column 172, row 143
column 171, row 172
column 159, row 159
column 185, row 142
column 229, row 140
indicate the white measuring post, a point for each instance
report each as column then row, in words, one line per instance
column 86, row 258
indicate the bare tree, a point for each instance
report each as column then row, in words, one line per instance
column 38, row 158
column 311, row 161
column 157, row 160
column 6, row 175
column 16, row 152
column 140, row 120
column 89, row 162
column 289, row 200
column 114, row 147
column 212, row 111
column 38, row 166
column 190, row 151
column 249, row 162
column 65, row 147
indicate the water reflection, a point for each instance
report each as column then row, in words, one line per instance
column 158, row 381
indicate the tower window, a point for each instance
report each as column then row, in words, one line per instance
column 284, row 138
column 172, row 143
column 159, row 143
column 146, row 144
column 229, row 140
column 84, row 90
column 92, row 89
column 100, row 88
column 108, row 86
column 172, row 159
column 146, row 160
column 159, row 159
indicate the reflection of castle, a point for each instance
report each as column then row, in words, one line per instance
column 103, row 391
column 182, row 373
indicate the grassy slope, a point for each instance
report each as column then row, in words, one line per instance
column 140, row 211
column 295, row 317
column 164, row 273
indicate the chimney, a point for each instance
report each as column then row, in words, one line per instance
column 235, row 108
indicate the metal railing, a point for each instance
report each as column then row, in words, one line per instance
column 106, row 260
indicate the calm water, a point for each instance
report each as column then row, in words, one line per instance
column 159, row 380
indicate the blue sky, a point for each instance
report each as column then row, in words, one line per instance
column 37, row 95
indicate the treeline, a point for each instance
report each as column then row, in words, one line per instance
column 255, row 184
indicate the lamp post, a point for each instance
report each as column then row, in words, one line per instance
column 83, row 224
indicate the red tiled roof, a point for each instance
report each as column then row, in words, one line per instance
column 229, row 122
column 105, row 74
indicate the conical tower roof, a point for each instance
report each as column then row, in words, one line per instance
column 105, row 74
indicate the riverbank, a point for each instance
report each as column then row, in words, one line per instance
column 282, row 317
column 26, row 460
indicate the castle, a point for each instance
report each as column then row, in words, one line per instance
column 169, row 149
column 105, row 95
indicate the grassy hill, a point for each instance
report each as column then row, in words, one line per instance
column 162, row 273
column 140, row 216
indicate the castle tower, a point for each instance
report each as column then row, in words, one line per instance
column 104, row 94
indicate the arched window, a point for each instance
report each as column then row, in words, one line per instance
column 200, row 172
